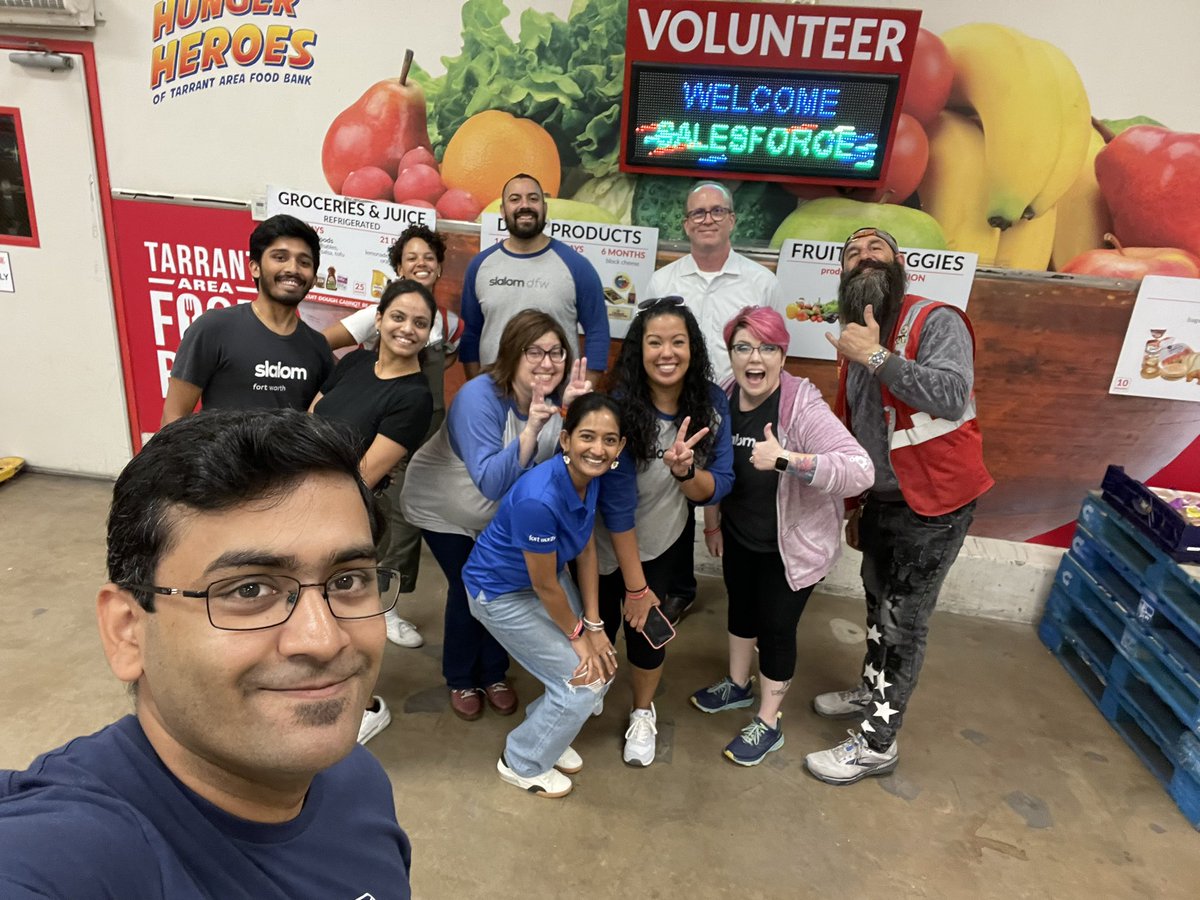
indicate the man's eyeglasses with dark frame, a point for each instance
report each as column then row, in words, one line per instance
column 259, row 600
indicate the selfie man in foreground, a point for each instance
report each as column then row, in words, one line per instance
column 245, row 612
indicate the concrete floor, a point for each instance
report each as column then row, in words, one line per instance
column 1010, row 783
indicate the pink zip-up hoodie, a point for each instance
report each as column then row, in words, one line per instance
column 810, row 515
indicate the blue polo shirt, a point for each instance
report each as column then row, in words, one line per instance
column 541, row 514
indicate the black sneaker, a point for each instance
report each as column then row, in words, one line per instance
column 754, row 743
column 725, row 694
column 675, row 607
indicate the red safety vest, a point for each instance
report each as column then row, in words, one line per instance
column 938, row 462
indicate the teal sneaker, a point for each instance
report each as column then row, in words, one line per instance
column 725, row 694
column 754, row 743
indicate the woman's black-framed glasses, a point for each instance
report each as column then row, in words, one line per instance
column 251, row 602
column 669, row 300
column 536, row 354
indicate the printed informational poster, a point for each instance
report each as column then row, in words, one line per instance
column 1159, row 357
column 809, row 273
column 355, row 238
column 6, row 279
column 623, row 256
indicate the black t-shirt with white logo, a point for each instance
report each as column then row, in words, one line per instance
column 748, row 510
column 239, row 363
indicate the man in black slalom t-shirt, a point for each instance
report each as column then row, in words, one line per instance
column 257, row 355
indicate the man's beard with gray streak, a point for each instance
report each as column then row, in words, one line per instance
column 871, row 283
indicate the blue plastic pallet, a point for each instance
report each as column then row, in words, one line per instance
column 1162, row 658
column 1128, row 704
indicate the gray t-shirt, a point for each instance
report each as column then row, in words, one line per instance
column 239, row 363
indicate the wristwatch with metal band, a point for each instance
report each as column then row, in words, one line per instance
column 877, row 359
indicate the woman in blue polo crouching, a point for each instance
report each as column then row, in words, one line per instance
column 519, row 588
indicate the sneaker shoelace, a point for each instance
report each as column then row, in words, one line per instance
column 852, row 750
column 639, row 727
column 754, row 732
column 722, row 689
column 500, row 686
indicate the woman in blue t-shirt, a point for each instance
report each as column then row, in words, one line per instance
column 519, row 588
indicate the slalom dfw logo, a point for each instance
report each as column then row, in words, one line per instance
column 268, row 369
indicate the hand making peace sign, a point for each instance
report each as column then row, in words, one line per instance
column 680, row 457
column 578, row 385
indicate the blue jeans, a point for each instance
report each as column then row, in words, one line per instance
column 471, row 658
column 906, row 557
column 520, row 622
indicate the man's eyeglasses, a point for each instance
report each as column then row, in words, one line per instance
column 536, row 354
column 766, row 351
column 670, row 300
column 251, row 602
column 718, row 213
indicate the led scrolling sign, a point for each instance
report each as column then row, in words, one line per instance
column 760, row 91
column 765, row 122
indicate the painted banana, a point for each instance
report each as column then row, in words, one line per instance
column 1000, row 74
column 1027, row 244
column 952, row 190
column 1076, row 129
column 1083, row 216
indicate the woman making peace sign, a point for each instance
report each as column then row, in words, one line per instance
column 677, row 453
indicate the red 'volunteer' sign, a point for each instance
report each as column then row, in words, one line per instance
column 767, row 91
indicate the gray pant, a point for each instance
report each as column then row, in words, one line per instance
column 906, row 557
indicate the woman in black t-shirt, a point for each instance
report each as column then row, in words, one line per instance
column 381, row 394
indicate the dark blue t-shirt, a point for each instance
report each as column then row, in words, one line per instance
column 102, row 817
column 543, row 513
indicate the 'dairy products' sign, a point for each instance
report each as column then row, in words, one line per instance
column 809, row 273
column 622, row 255
column 356, row 236
column 200, row 45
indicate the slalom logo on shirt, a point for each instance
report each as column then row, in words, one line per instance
column 268, row 369
column 506, row 281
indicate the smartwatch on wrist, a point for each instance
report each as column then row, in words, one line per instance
column 691, row 473
column 782, row 462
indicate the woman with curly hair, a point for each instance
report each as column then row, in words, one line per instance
column 677, row 453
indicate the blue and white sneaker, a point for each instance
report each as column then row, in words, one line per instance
column 754, row 743
column 725, row 694
column 851, row 761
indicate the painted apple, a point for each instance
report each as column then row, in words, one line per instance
column 1134, row 263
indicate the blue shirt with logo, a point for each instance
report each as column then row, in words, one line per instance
column 543, row 513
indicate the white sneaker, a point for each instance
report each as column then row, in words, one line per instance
column 401, row 631
column 851, row 761
column 570, row 762
column 549, row 784
column 375, row 718
column 842, row 704
column 640, row 736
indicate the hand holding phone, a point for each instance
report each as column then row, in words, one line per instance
column 657, row 630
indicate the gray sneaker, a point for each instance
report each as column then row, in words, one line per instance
column 842, row 704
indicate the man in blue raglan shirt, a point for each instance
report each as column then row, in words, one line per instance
column 530, row 270
column 245, row 612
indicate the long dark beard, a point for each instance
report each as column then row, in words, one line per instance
column 870, row 283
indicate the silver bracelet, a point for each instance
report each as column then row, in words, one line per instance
column 593, row 626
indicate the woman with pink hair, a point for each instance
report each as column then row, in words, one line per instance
column 779, row 530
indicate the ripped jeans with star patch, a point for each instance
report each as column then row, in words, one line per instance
column 906, row 557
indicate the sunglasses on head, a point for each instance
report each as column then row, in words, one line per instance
column 655, row 302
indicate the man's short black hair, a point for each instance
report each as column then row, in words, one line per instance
column 217, row 460
column 284, row 226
